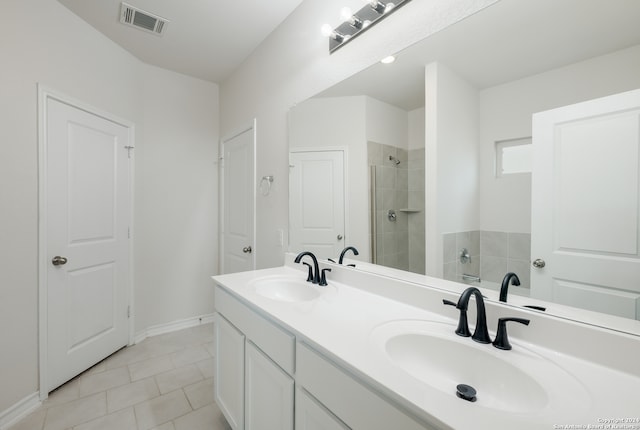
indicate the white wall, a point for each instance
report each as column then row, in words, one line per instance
column 176, row 207
column 293, row 64
column 41, row 41
column 416, row 120
column 451, row 154
column 387, row 124
column 505, row 113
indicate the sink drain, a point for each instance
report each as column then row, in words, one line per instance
column 466, row 392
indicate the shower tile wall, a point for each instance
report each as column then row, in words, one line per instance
column 392, row 240
column 452, row 244
column 493, row 254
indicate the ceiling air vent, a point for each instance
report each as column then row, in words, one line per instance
column 142, row 20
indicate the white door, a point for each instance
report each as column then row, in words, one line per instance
column 585, row 214
column 316, row 202
column 87, row 245
column 238, row 221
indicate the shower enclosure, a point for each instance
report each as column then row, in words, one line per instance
column 397, row 223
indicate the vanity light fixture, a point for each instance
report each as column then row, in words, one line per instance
column 349, row 17
column 377, row 6
column 334, row 35
column 356, row 23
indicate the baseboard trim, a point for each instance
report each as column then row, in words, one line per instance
column 20, row 410
column 158, row 329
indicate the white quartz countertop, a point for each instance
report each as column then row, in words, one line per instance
column 346, row 323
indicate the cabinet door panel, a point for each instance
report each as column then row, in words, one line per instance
column 268, row 393
column 229, row 372
column 311, row 415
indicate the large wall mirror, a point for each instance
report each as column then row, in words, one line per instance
column 430, row 164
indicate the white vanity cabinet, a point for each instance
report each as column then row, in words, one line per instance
column 253, row 386
column 259, row 366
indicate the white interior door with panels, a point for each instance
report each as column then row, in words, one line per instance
column 317, row 202
column 586, row 202
column 85, row 244
column 239, row 194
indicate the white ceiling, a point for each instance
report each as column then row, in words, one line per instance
column 509, row 40
column 207, row 39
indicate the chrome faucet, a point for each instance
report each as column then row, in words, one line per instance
column 481, row 333
column 509, row 277
column 344, row 251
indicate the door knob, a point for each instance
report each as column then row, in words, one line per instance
column 538, row 263
column 246, row 250
column 58, row 261
column 339, row 237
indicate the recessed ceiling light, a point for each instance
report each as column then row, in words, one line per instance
column 388, row 60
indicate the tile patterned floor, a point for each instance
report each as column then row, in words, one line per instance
column 162, row 383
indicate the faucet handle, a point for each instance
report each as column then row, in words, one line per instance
column 502, row 340
column 463, row 325
column 323, row 278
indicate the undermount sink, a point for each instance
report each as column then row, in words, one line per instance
column 516, row 381
column 286, row 289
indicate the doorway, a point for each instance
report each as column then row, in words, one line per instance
column 586, row 203
column 85, row 165
column 238, row 189
column 317, row 202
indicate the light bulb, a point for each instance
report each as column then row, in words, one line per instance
column 388, row 7
column 350, row 18
column 388, row 60
column 326, row 30
column 377, row 6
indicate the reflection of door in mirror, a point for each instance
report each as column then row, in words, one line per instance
column 330, row 123
column 586, row 190
column 396, row 206
column 316, row 202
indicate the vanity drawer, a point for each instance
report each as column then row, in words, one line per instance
column 350, row 400
column 274, row 341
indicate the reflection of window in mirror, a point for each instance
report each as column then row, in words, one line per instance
column 513, row 156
